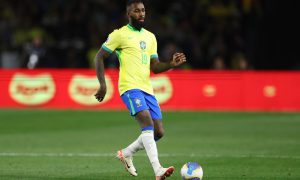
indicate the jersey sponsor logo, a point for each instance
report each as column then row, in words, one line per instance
column 143, row 45
column 162, row 87
column 82, row 89
column 138, row 102
column 32, row 90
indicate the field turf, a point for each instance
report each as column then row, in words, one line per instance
column 40, row 144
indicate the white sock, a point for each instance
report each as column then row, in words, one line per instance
column 151, row 149
column 133, row 147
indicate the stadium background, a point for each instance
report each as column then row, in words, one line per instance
column 242, row 56
column 246, row 34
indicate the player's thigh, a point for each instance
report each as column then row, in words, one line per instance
column 136, row 104
column 156, row 115
column 154, row 108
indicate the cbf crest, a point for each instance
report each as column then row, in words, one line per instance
column 138, row 102
column 143, row 45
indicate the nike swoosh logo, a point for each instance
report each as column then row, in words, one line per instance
column 127, row 165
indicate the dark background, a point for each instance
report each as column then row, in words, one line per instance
column 214, row 34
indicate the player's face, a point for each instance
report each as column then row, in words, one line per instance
column 136, row 14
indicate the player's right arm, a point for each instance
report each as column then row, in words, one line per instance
column 99, row 58
column 112, row 42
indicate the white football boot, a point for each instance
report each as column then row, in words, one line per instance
column 163, row 173
column 127, row 162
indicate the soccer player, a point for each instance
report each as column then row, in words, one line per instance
column 136, row 49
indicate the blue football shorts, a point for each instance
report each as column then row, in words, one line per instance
column 137, row 100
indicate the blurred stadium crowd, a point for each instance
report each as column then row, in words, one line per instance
column 214, row 34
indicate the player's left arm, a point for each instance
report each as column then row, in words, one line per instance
column 158, row 67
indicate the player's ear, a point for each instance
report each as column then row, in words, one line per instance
column 127, row 13
column 128, row 10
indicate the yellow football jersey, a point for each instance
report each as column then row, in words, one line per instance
column 134, row 50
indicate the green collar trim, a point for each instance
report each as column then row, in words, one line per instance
column 134, row 29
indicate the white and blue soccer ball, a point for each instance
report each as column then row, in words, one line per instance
column 191, row 171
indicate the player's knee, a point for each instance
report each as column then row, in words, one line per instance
column 144, row 118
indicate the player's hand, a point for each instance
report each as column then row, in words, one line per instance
column 101, row 93
column 178, row 59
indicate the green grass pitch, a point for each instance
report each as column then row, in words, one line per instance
column 43, row 144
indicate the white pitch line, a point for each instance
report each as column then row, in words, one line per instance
column 17, row 154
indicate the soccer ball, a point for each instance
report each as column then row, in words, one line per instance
column 192, row 171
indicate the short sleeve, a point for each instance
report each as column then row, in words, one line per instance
column 112, row 42
column 153, row 50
